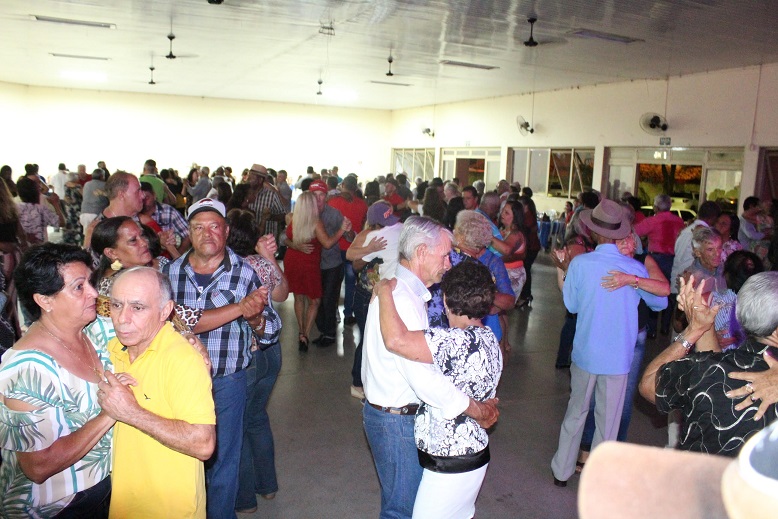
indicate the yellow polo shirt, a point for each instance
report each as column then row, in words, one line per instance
column 151, row 480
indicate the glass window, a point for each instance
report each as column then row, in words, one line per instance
column 414, row 162
column 723, row 187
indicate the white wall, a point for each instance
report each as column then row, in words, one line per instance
column 48, row 126
column 703, row 110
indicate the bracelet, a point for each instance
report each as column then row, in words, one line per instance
column 686, row 344
column 260, row 327
column 635, row 286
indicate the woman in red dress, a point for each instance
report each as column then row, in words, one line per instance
column 305, row 237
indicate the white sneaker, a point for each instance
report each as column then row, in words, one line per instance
column 358, row 392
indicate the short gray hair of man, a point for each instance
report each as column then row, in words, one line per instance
column 165, row 289
column 702, row 234
column 420, row 230
column 757, row 304
column 662, row 203
column 473, row 230
column 490, row 202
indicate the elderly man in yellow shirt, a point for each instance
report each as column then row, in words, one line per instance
column 165, row 420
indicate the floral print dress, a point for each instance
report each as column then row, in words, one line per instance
column 65, row 403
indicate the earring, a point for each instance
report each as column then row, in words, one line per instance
column 116, row 265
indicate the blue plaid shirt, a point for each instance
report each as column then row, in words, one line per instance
column 228, row 345
column 169, row 218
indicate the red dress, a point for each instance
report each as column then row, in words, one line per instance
column 303, row 271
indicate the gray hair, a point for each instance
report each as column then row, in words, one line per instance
column 479, row 186
column 420, row 230
column 165, row 289
column 452, row 188
column 757, row 304
column 490, row 202
column 702, row 234
column 473, row 229
column 662, row 203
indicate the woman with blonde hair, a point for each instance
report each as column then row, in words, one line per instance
column 303, row 256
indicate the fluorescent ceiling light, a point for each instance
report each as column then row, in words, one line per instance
column 390, row 83
column 67, row 21
column 77, row 56
column 597, row 35
column 81, row 75
column 467, row 65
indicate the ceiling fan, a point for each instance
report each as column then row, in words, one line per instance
column 171, row 36
column 653, row 124
column 531, row 41
column 523, row 125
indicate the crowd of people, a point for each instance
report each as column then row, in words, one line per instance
column 149, row 340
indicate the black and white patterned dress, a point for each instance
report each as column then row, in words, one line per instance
column 471, row 358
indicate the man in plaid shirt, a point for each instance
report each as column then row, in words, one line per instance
column 265, row 202
column 168, row 218
column 211, row 276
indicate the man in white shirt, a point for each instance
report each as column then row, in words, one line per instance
column 394, row 386
column 59, row 179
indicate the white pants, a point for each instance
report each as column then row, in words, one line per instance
column 609, row 393
column 448, row 496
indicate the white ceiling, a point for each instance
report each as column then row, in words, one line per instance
column 272, row 49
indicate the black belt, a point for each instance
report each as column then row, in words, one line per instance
column 454, row 464
column 406, row 409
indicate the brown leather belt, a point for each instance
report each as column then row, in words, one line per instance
column 404, row 410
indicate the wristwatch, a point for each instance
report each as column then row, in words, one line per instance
column 686, row 344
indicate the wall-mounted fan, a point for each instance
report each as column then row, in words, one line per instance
column 523, row 125
column 653, row 124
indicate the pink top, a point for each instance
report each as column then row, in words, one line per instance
column 662, row 229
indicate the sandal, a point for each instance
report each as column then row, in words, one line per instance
column 303, row 343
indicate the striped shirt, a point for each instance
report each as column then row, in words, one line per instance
column 267, row 198
column 229, row 344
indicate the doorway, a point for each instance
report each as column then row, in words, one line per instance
column 680, row 182
column 470, row 170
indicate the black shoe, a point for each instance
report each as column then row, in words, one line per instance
column 324, row 341
column 559, row 483
column 350, row 320
column 303, row 347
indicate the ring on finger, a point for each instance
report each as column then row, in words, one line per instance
column 749, row 388
column 753, row 398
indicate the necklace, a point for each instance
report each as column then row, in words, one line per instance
column 81, row 335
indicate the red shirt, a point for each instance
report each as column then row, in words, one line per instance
column 355, row 210
column 662, row 230
column 395, row 200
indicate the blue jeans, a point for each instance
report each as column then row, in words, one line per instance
column 221, row 471
column 351, row 282
column 396, row 460
column 257, row 456
column 361, row 304
column 629, row 396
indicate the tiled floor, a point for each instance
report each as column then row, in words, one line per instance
column 324, row 465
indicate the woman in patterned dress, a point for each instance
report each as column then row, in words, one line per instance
column 454, row 453
column 55, row 439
